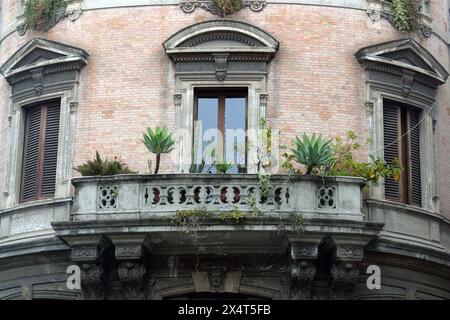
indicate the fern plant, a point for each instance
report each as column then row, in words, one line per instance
column 100, row 167
column 313, row 152
column 158, row 141
column 39, row 12
column 406, row 15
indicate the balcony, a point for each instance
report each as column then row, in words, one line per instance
column 161, row 196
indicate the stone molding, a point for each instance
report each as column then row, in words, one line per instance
column 189, row 6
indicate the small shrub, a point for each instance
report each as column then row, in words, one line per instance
column 190, row 219
column 39, row 12
column 406, row 15
column 100, row 167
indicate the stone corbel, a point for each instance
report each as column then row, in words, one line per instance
column 92, row 257
column 132, row 254
column 301, row 269
column 221, row 60
column 345, row 271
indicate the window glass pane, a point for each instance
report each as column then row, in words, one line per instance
column 235, row 132
column 206, row 130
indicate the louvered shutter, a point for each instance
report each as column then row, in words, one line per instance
column 416, row 192
column 40, row 152
column 50, row 151
column 31, row 154
column 391, row 151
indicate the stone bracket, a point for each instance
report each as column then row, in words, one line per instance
column 132, row 254
column 221, row 60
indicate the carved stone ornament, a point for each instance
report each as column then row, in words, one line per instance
column 92, row 281
column 302, row 274
column 38, row 80
column 132, row 275
column 189, row 6
column 216, row 276
column 344, row 278
column 221, row 61
column 407, row 79
column 177, row 99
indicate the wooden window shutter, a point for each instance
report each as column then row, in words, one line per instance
column 414, row 143
column 40, row 151
column 391, row 123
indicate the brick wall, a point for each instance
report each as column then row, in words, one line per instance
column 315, row 83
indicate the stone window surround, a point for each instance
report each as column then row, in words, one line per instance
column 376, row 93
column 72, row 60
column 215, row 66
column 65, row 144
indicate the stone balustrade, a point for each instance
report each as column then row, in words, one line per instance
column 146, row 196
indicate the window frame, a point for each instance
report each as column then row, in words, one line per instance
column 222, row 94
column 43, row 107
column 404, row 137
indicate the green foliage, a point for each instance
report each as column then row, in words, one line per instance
column 297, row 222
column 223, row 167
column 228, row 6
column 100, row 167
column 253, row 204
column 190, row 219
column 39, row 12
column 197, row 168
column 264, row 184
column 264, row 151
column 158, row 141
column 234, row 215
column 406, row 15
column 313, row 152
column 346, row 165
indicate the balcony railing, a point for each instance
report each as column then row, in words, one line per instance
column 147, row 196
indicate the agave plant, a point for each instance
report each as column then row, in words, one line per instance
column 313, row 152
column 158, row 141
column 223, row 167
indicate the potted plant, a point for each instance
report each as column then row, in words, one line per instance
column 313, row 152
column 100, row 167
column 158, row 141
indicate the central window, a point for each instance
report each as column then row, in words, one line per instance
column 220, row 124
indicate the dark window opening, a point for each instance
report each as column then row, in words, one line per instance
column 220, row 124
column 402, row 142
column 40, row 151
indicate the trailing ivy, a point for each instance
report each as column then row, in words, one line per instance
column 38, row 13
column 406, row 15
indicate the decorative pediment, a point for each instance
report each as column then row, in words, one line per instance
column 406, row 58
column 42, row 54
column 221, row 36
column 220, row 47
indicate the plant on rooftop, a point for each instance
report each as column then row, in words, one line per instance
column 103, row 167
column 39, row 12
column 158, row 141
